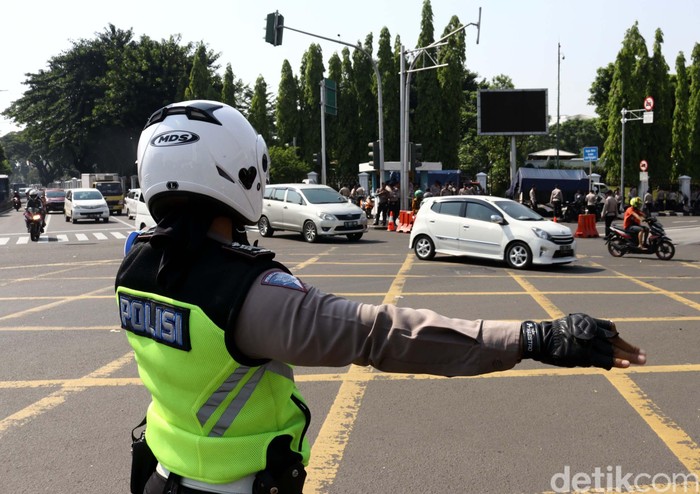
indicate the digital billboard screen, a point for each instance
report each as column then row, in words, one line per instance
column 512, row 112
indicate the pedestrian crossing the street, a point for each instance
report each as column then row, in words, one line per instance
column 64, row 237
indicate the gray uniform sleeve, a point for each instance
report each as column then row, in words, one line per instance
column 306, row 327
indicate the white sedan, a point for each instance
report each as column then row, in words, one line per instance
column 489, row 227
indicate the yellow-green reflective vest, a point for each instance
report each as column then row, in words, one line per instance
column 211, row 418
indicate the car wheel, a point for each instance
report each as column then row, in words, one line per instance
column 73, row 220
column 354, row 237
column 106, row 220
column 309, row 232
column 264, row 227
column 518, row 255
column 97, row 220
column 424, row 248
column 666, row 251
column 67, row 218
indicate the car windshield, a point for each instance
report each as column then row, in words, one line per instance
column 518, row 211
column 323, row 196
column 55, row 193
column 109, row 188
column 87, row 195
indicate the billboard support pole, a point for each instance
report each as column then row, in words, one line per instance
column 513, row 159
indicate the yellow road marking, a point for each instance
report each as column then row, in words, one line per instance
column 680, row 443
column 549, row 307
column 23, row 416
column 333, row 437
column 62, row 301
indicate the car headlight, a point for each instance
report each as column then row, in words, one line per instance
column 325, row 216
column 542, row 234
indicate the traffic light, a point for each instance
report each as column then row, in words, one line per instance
column 373, row 154
column 317, row 160
column 416, row 156
column 274, row 28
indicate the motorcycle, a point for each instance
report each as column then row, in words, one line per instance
column 16, row 203
column 34, row 223
column 621, row 242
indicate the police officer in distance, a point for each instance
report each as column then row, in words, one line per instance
column 216, row 356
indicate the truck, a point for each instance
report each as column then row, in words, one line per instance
column 544, row 180
column 110, row 185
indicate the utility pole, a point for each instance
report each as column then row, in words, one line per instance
column 559, row 59
column 404, row 99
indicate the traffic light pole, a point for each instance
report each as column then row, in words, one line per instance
column 636, row 115
column 380, row 108
column 404, row 97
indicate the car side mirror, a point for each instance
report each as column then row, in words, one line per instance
column 497, row 218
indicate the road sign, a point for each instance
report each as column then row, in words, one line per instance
column 643, row 165
column 643, row 176
column 648, row 103
column 648, row 117
column 590, row 154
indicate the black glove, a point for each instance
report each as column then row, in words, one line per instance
column 576, row 340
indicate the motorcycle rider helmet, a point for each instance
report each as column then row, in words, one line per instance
column 205, row 153
column 33, row 194
column 636, row 202
column 418, row 194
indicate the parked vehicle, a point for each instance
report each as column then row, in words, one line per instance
column 34, row 221
column 131, row 203
column 85, row 204
column 55, row 200
column 621, row 242
column 489, row 227
column 312, row 210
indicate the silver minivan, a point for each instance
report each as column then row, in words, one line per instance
column 312, row 210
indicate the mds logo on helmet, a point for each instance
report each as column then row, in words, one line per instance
column 174, row 138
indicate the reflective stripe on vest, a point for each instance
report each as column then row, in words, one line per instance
column 241, row 398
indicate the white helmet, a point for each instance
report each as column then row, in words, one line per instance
column 202, row 150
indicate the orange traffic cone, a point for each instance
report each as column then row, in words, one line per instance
column 555, row 219
column 391, row 226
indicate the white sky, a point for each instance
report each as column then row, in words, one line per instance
column 518, row 37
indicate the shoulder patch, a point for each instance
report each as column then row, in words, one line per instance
column 249, row 251
column 284, row 280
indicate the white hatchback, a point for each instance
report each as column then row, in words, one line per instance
column 85, row 204
column 312, row 210
column 492, row 228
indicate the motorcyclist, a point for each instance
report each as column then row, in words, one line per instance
column 17, row 199
column 34, row 201
column 633, row 219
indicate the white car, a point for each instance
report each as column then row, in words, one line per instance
column 489, row 227
column 312, row 210
column 85, row 204
column 131, row 202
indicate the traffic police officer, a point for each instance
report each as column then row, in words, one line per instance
column 215, row 353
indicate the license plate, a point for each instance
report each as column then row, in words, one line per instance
column 566, row 249
column 351, row 224
column 93, row 215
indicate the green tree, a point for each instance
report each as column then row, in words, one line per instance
column 286, row 166
column 201, row 85
column 287, row 107
column 5, row 168
column 626, row 91
column 694, row 114
column 259, row 116
column 680, row 132
column 312, row 70
column 450, row 78
column 426, row 119
column 349, row 148
column 600, row 94
column 365, row 92
column 657, row 137
column 389, row 71
column 228, row 92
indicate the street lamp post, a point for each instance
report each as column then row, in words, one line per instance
column 404, row 97
column 559, row 59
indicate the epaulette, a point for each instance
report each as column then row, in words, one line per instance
column 249, row 251
column 137, row 237
column 145, row 235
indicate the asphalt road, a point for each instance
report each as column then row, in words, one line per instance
column 70, row 393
